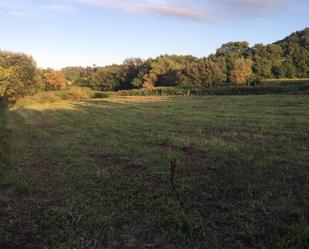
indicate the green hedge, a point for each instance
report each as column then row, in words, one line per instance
column 231, row 90
column 160, row 91
column 258, row 90
column 281, row 82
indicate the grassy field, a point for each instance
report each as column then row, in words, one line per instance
column 157, row 172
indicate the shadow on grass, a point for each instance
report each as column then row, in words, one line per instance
column 91, row 175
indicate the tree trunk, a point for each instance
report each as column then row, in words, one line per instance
column 3, row 101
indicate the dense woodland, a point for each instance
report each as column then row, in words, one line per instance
column 234, row 63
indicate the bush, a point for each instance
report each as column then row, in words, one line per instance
column 18, row 75
column 54, row 80
column 76, row 93
column 282, row 82
column 159, row 91
column 258, row 90
column 230, row 90
column 73, row 94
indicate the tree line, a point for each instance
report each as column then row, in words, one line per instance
column 234, row 63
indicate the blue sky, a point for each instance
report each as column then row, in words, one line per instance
column 59, row 33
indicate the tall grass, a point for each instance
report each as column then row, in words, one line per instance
column 73, row 94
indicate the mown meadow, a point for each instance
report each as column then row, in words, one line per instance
column 156, row 172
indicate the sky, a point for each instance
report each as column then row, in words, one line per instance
column 60, row 33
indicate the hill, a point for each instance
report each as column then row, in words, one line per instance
column 298, row 38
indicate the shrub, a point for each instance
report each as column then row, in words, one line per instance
column 77, row 93
column 281, row 82
column 54, row 80
column 18, row 75
column 230, row 90
column 73, row 94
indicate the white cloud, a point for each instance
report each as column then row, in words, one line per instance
column 206, row 10
column 201, row 10
column 35, row 7
column 183, row 9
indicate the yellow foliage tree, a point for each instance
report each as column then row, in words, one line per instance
column 54, row 80
column 242, row 71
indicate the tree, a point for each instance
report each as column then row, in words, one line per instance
column 241, row 72
column 232, row 51
column 54, row 80
column 288, row 69
column 299, row 38
column 150, row 80
column 165, row 70
column 295, row 55
column 203, row 73
column 131, row 69
column 141, row 78
column 19, row 75
column 107, row 78
column 74, row 74
column 266, row 61
column 299, row 58
column 262, row 66
column 235, row 48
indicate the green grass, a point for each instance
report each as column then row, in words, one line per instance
column 3, row 147
column 157, row 172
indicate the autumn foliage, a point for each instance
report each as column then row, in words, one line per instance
column 54, row 80
column 242, row 71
